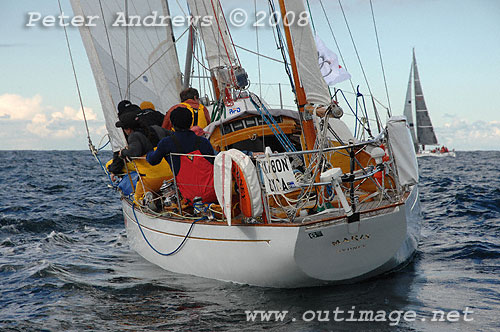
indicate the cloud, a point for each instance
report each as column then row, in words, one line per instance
column 462, row 134
column 16, row 107
column 70, row 113
column 29, row 116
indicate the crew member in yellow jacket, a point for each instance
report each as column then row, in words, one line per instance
column 150, row 177
column 190, row 99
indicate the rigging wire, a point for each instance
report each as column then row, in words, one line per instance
column 221, row 36
column 229, row 33
column 259, row 54
column 161, row 55
column 206, row 71
column 310, row 15
column 335, row 39
column 91, row 146
column 196, row 50
column 359, row 60
column 341, row 55
column 271, row 123
column 381, row 62
column 280, row 45
column 355, row 48
column 199, row 62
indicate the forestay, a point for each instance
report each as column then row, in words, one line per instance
column 154, row 73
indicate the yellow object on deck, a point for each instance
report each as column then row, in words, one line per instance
column 150, row 177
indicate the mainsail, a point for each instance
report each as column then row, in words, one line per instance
column 306, row 56
column 148, row 70
column 425, row 131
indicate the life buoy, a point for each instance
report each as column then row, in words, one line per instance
column 235, row 165
column 242, row 189
column 385, row 158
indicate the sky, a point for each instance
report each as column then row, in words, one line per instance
column 457, row 45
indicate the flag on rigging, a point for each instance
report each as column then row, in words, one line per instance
column 329, row 66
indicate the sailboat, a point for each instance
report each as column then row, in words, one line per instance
column 425, row 134
column 315, row 205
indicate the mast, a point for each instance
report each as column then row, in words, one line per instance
column 307, row 125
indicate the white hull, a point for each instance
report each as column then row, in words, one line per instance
column 436, row 154
column 275, row 255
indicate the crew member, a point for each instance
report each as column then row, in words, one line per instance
column 193, row 173
column 125, row 106
column 190, row 99
column 151, row 177
column 117, row 165
column 149, row 115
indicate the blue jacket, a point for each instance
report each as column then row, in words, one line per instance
column 180, row 142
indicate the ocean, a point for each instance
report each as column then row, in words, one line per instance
column 65, row 264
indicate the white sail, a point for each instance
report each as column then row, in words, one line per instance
column 215, row 35
column 152, row 66
column 408, row 110
column 306, row 55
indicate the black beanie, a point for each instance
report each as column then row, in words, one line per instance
column 181, row 118
column 128, row 120
column 126, row 106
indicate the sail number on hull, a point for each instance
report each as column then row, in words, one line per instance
column 278, row 174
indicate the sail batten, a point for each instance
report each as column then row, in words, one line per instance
column 152, row 65
column 425, row 130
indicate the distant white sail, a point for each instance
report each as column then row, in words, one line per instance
column 425, row 131
column 408, row 110
column 306, row 55
column 215, row 35
column 153, row 64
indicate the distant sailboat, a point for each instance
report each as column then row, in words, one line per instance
column 425, row 134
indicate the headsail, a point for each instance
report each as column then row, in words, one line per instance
column 425, row 131
column 153, row 67
column 408, row 110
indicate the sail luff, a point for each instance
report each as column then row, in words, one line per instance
column 408, row 109
column 425, row 131
column 116, row 135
